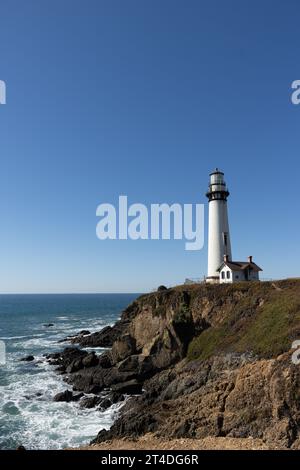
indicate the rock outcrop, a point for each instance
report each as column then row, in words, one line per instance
column 203, row 361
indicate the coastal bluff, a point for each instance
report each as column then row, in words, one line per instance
column 200, row 361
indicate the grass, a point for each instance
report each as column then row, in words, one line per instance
column 265, row 322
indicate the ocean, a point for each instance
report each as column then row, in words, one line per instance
column 28, row 414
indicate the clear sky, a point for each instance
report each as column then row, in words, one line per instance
column 144, row 98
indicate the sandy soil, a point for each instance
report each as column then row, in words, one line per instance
column 149, row 442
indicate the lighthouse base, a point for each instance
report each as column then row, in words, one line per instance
column 212, row 280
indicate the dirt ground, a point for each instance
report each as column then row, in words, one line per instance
column 150, row 442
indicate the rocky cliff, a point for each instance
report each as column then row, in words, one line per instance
column 203, row 361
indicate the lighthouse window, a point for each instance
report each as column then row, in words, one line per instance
column 216, row 179
column 225, row 237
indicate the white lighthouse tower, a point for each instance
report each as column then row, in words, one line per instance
column 218, row 227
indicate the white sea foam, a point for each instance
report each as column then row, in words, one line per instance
column 28, row 414
column 44, row 424
column 15, row 337
column 98, row 349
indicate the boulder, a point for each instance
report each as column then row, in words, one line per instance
column 90, row 402
column 105, row 360
column 131, row 387
column 67, row 396
column 78, row 396
column 55, row 355
column 102, row 339
column 27, row 358
column 116, row 397
column 105, row 403
column 90, row 360
column 74, row 366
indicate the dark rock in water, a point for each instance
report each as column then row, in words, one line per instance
column 103, row 338
column 21, row 448
column 31, row 397
column 54, row 362
column 55, row 355
column 90, row 402
column 64, row 340
column 116, row 397
column 70, row 359
column 84, row 360
column 110, row 399
column 47, row 325
column 71, row 353
column 75, row 338
column 77, row 396
column 27, row 358
column 67, row 396
column 105, row 403
column 132, row 387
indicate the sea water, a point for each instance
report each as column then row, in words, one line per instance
column 28, row 414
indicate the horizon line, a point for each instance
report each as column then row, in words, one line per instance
column 67, row 293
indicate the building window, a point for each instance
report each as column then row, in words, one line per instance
column 228, row 274
column 223, row 275
column 236, row 276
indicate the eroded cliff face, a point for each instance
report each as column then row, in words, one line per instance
column 232, row 395
column 211, row 361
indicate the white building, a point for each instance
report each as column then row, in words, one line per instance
column 218, row 227
column 236, row 271
column 221, row 268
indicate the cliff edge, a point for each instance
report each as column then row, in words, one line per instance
column 202, row 361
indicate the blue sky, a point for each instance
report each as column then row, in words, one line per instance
column 144, row 99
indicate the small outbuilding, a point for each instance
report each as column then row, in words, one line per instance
column 237, row 271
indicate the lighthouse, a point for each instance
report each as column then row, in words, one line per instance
column 218, row 228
